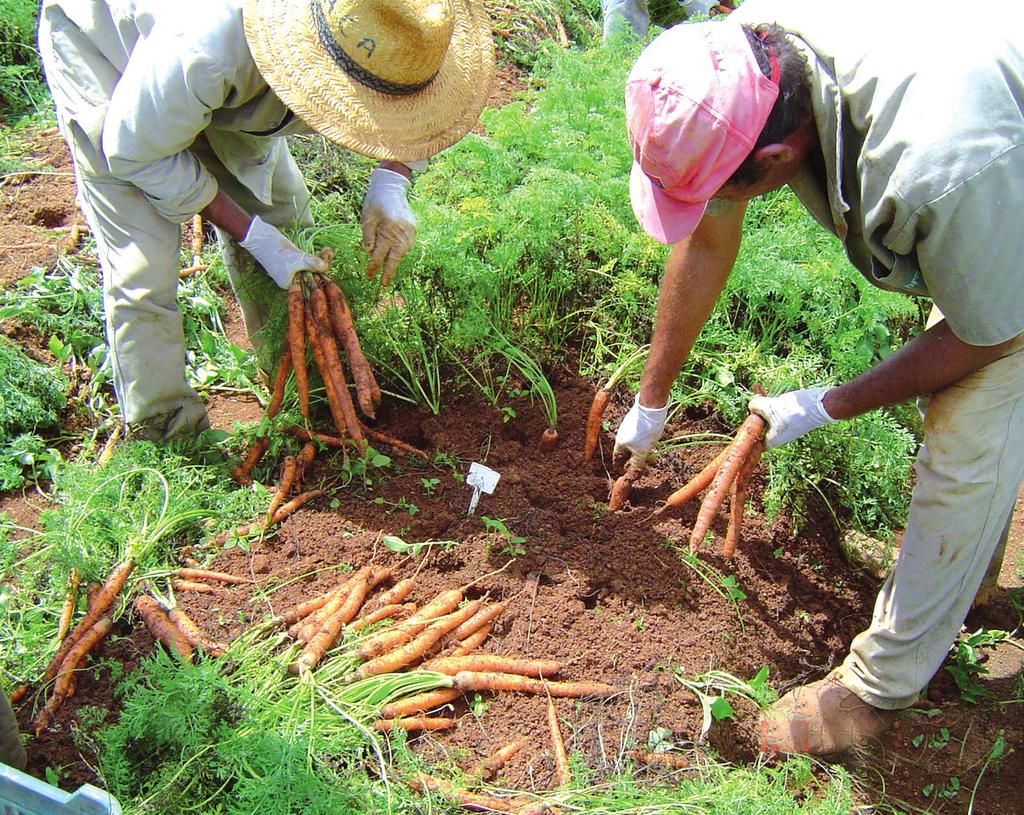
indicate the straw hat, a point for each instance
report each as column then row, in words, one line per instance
column 391, row 79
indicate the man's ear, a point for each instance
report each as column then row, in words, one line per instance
column 775, row 153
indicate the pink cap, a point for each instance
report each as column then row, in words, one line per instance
column 696, row 101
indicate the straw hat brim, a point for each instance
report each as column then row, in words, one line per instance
column 284, row 44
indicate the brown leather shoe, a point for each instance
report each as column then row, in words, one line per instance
column 820, row 719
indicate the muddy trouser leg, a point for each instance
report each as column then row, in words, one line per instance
column 12, row 751
column 968, row 471
column 289, row 207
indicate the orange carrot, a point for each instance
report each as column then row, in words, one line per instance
column 67, row 611
column 486, row 681
column 335, row 386
column 206, row 574
column 624, row 485
column 739, row 498
column 103, row 601
column 748, row 434
column 21, row 692
column 667, row 759
column 420, row 703
column 322, row 320
column 197, row 588
column 491, row 766
column 289, row 468
column 195, row 268
column 413, row 723
column 307, row 628
column 395, row 611
column 692, row 488
column 193, row 633
column 549, row 440
column 303, row 609
column 391, row 441
column 594, row 418
column 322, row 642
column 66, row 670
column 161, row 627
column 480, row 663
column 367, row 390
column 107, row 453
column 296, row 340
column 562, row 774
column 242, row 473
column 289, row 507
column 284, row 367
column 398, row 592
column 470, row 800
column 383, row 641
column 481, row 618
column 471, row 643
column 416, row 648
column 197, row 237
column 302, row 462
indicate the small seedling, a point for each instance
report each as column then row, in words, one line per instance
column 429, row 484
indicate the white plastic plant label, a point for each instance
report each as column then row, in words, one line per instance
column 482, row 479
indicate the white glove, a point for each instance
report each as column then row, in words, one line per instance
column 389, row 227
column 278, row 256
column 792, row 414
column 639, row 430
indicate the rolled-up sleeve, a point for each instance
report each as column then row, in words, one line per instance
column 972, row 254
column 164, row 100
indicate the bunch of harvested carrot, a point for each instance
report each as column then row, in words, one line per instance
column 728, row 472
column 63, row 687
column 285, row 510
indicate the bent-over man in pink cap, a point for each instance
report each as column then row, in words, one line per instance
column 912, row 155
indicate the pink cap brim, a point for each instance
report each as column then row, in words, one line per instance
column 664, row 219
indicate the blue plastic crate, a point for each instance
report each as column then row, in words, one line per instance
column 21, row 794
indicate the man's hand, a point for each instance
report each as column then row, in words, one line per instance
column 278, row 256
column 791, row 415
column 638, row 432
column 389, row 227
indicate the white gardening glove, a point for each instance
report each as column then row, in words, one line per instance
column 792, row 414
column 389, row 227
column 639, row 430
column 278, row 256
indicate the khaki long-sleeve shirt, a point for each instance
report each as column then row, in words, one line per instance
column 920, row 116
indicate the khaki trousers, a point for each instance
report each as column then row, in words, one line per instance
column 11, row 750
column 969, row 472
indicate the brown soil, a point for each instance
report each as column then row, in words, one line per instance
column 606, row 594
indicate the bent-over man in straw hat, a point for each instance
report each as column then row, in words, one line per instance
column 176, row 108
column 912, row 156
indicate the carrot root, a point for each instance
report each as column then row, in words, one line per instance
column 477, row 681
column 206, row 574
column 623, row 486
column 594, row 418
column 161, row 627
column 413, row 723
column 562, row 775
column 482, row 663
column 67, row 611
column 65, row 674
column 492, row 765
column 549, row 440
column 692, row 488
column 284, row 367
column 420, row 703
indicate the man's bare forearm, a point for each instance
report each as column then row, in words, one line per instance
column 224, row 212
column 695, row 275
column 933, row 360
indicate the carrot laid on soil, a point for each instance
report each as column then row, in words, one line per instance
column 487, row 681
column 397, row 593
column 492, row 765
column 67, row 611
column 746, row 437
column 470, row 800
column 296, row 340
column 323, row 640
column 242, row 473
column 420, row 703
column 480, row 663
column 395, row 611
column 161, row 627
column 290, row 507
column 738, row 501
column 21, row 692
column 284, row 367
column 562, row 775
column 624, row 485
column 186, row 625
column 413, row 723
column 303, row 609
column 383, row 641
column 344, row 329
column 416, row 648
column 99, row 605
column 391, row 441
column 471, row 643
column 307, row 628
column 207, row 574
column 64, row 674
column 594, row 419
column 196, row 587
column 484, row 616
column 666, row 759
column 696, row 485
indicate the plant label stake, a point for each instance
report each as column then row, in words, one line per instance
column 481, row 479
